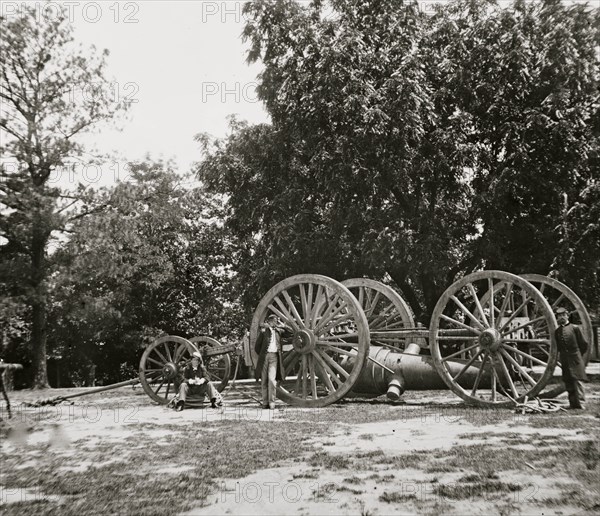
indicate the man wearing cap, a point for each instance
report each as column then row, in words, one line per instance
column 269, row 367
column 195, row 382
column 572, row 346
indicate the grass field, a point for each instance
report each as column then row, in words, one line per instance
column 118, row 453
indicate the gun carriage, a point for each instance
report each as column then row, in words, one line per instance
column 490, row 340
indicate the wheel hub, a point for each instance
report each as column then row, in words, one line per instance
column 490, row 339
column 169, row 371
column 304, row 341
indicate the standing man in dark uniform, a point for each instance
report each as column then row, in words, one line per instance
column 571, row 347
column 269, row 367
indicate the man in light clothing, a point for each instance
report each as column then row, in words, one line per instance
column 269, row 367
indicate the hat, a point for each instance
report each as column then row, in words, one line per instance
column 195, row 354
column 561, row 310
column 272, row 317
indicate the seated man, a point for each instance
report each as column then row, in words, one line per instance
column 195, row 382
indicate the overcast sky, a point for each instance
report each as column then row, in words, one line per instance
column 183, row 65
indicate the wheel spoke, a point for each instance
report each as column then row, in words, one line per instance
column 326, row 320
column 158, row 388
column 333, row 364
column 467, row 365
column 337, row 322
column 509, row 287
column 494, row 380
column 545, row 351
column 373, row 304
column 361, row 296
column 296, row 389
column 178, row 351
column 337, row 343
column 317, row 305
column 507, row 375
column 160, row 355
column 519, row 368
column 309, row 304
column 492, row 302
column 168, row 389
column 292, row 362
column 516, row 312
column 479, row 374
column 388, row 313
column 313, row 377
column 282, row 316
column 329, row 346
column 304, row 377
column 153, row 375
column 459, row 352
column 328, row 374
column 149, row 359
column 389, row 326
column 168, row 352
column 467, row 312
column 338, row 337
column 287, row 315
column 293, row 308
column 525, row 355
column 303, row 300
column 508, row 331
column 558, row 300
column 477, row 304
column 528, row 341
column 461, row 324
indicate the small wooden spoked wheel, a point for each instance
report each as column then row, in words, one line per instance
column 159, row 366
column 218, row 366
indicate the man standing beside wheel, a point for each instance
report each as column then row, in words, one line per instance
column 572, row 346
column 196, row 382
column 269, row 367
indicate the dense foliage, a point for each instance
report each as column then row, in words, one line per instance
column 155, row 261
column 417, row 148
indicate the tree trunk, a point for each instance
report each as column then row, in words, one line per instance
column 39, row 307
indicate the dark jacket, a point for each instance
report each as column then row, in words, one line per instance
column 189, row 372
column 262, row 344
column 572, row 346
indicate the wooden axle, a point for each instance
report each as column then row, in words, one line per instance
column 415, row 333
column 218, row 350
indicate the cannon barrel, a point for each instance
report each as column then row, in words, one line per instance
column 411, row 371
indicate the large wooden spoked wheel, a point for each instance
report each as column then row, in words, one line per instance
column 504, row 341
column 558, row 294
column 384, row 308
column 159, row 370
column 329, row 343
column 218, row 366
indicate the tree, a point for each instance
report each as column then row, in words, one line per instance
column 357, row 182
column 52, row 92
column 525, row 80
column 410, row 147
column 155, row 261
